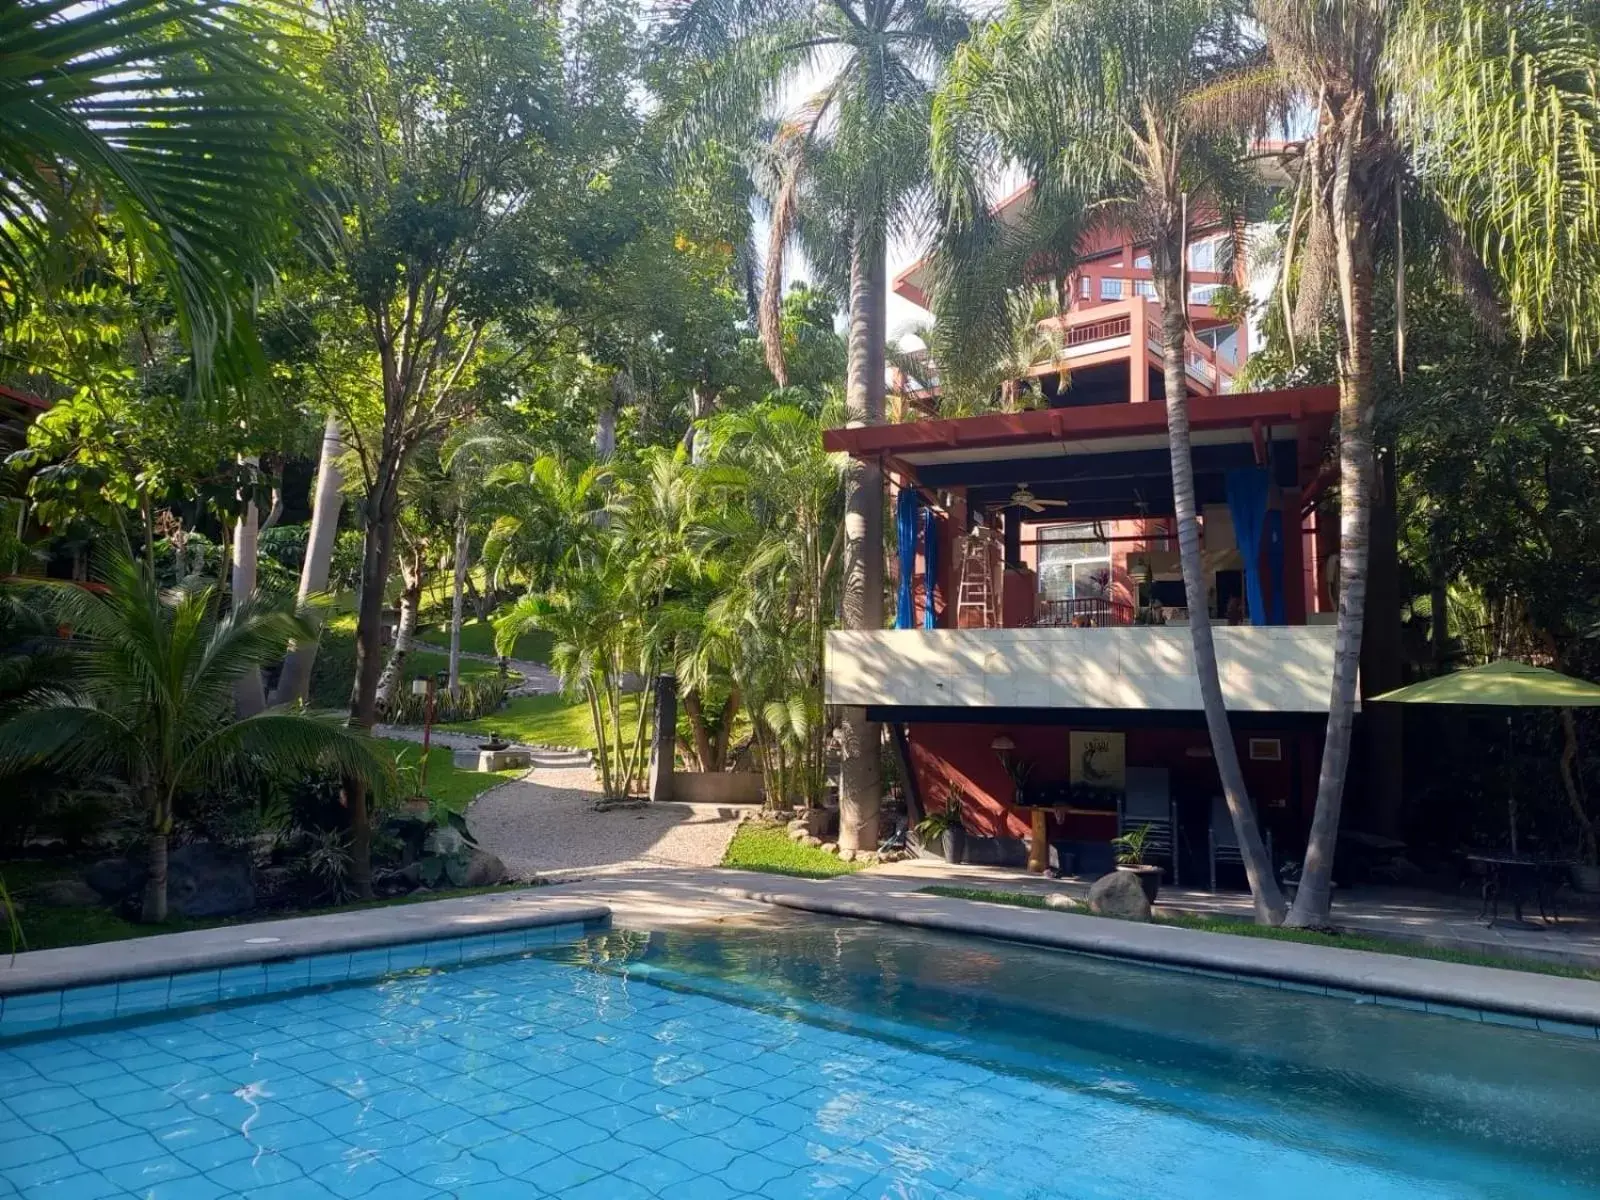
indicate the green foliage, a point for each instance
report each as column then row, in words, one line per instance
column 149, row 699
column 177, row 118
column 758, row 847
column 1130, row 846
column 941, row 821
column 478, row 698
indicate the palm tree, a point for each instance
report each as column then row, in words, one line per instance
column 1094, row 98
column 855, row 152
column 175, row 116
column 149, row 699
column 1487, row 113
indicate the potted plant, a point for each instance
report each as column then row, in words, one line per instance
column 944, row 827
column 1130, row 857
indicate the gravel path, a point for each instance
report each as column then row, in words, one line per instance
column 545, row 822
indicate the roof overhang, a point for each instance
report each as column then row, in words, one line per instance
column 1257, row 417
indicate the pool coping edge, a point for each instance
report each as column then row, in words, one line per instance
column 1354, row 974
column 222, row 946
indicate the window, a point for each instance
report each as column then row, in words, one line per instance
column 1203, row 255
column 1110, row 289
column 1074, row 562
column 1145, row 288
column 1224, row 339
column 1083, row 286
column 1142, row 261
column 1203, row 293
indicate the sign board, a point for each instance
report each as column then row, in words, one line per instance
column 1099, row 759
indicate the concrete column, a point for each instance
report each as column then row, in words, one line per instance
column 664, row 739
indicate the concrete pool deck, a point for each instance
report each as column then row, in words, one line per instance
column 660, row 897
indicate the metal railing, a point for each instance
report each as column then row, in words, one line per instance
column 1083, row 612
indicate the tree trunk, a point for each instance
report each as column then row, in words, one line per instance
column 1382, row 654
column 860, row 784
column 1173, row 289
column 376, row 552
column 1439, row 600
column 294, row 681
column 154, row 909
column 248, row 696
column 458, row 601
column 405, row 635
column 703, row 402
column 1353, row 244
column 697, row 726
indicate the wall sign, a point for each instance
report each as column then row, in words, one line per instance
column 1099, row 759
column 1266, row 750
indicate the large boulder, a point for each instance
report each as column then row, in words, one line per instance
column 1119, row 894
column 65, row 893
column 115, row 879
column 207, row 880
column 485, row 869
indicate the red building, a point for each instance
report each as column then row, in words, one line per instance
column 1041, row 667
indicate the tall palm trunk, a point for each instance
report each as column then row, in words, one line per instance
column 458, row 599
column 860, row 784
column 1354, row 248
column 1167, row 258
column 248, row 697
column 294, row 681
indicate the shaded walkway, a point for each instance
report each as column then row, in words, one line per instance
column 1432, row 919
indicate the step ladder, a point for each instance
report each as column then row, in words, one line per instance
column 976, row 593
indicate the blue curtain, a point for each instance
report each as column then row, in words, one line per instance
column 1247, row 505
column 930, row 565
column 1275, row 565
column 905, row 528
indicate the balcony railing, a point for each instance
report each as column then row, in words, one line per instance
column 1083, row 612
column 1099, row 331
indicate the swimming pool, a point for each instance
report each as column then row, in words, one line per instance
column 797, row 1057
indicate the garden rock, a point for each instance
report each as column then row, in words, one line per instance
column 115, row 878
column 847, row 855
column 830, row 847
column 485, row 869
column 206, row 880
column 65, row 893
column 1119, row 894
column 813, row 842
column 274, row 883
column 1060, row 900
column 798, row 834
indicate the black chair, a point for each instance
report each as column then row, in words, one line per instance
column 1225, row 840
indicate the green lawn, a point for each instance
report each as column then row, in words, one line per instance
column 1342, row 941
column 448, row 783
column 761, row 847
column 335, row 665
column 477, row 637
column 548, row 721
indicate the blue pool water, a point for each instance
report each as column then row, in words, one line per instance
column 797, row 1058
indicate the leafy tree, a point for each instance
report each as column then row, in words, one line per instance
column 852, row 158
column 149, row 697
column 1486, row 113
column 1097, row 100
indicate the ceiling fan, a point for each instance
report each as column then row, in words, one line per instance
column 1023, row 498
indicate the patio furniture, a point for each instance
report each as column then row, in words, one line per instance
column 1147, row 800
column 1224, row 840
column 1519, row 876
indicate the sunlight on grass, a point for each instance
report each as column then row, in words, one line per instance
column 477, row 637
column 759, row 847
column 448, row 783
column 548, row 721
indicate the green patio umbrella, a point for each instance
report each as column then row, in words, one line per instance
column 1502, row 684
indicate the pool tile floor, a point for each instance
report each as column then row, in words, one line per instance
column 532, row 1077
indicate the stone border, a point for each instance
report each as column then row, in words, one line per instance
column 292, row 938
column 1549, row 1002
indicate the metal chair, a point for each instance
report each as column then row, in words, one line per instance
column 1147, row 800
column 1225, row 840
